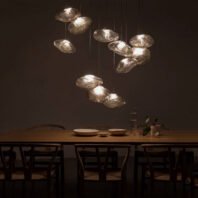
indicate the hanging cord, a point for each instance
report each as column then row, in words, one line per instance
column 121, row 26
column 138, row 15
column 65, row 29
column 90, row 31
column 99, row 60
column 126, row 17
column 99, row 52
column 90, row 42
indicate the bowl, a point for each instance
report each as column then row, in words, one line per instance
column 117, row 132
column 85, row 132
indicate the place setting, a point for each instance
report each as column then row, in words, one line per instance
column 100, row 132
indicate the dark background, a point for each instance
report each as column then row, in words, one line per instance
column 37, row 81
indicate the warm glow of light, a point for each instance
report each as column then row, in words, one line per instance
column 88, row 81
column 98, row 94
column 65, row 46
column 68, row 15
column 113, row 96
column 79, row 21
column 79, row 25
column 126, row 65
column 121, row 48
column 89, row 78
column 105, row 35
column 99, row 90
column 142, row 40
column 68, row 11
column 113, row 101
column 138, row 51
column 121, row 45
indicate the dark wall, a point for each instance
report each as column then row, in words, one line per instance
column 37, row 81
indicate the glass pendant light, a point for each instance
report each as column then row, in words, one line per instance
column 98, row 94
column 105, row 35
column 142, row 40
column 141, row 54
column 79, row 25
column 68, row 15
column 65, row 46
column 126, row 65
column 121, row 48
column 113, row 100
column 88, row 81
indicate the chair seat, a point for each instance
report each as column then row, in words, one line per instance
column 166, row 176
column 2, row 176
column 18, row 175
column 110, row 175
column 91, row 175
column 114, row 175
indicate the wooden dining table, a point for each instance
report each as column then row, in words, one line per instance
column 67, row 137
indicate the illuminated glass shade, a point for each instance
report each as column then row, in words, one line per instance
column 67, row 15
column 88, row 81
column 98, row 94
column 141, row 54
column 79, row 25
column 126, row 64
column 121, row 48
column 105, row 35
column 113, row 100
column 142, row 40
column 65, row 46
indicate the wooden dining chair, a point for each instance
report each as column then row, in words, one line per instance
column 46, row 150
column 103, row 172
column 9, row 172
column 48, row 170
column 161, row 166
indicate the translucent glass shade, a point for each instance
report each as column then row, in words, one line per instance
column 126, row 64
column 121, row 48
column 79, row 25
column 141, row 54
column 98, row 94
column 113, row 100
column 142, row 40
column 88, row 81
column 65, row 46
column 67, row 15
column 105, row 35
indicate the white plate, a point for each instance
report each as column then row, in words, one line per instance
column 117, row 131
column 86, row 132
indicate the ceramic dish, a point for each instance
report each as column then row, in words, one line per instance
column 103, row 134
column 117, row 131
column 85, row 132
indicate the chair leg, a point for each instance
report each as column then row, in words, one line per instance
column 4, row 189
column 62, row 175
column 57, row 182
column 80, row 189
column 135, row 174
column 23, row 189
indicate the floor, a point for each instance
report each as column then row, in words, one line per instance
column 94, row 190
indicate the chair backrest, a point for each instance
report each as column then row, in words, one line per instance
column 47, row 127
column 7, row 159
column 102, row 156
column 32, row 157
column 160, row 157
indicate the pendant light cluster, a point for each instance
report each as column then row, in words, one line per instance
column 136, row 54
column 98, row 93
column 77, row 24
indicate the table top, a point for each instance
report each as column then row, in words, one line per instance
column 68, row 137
